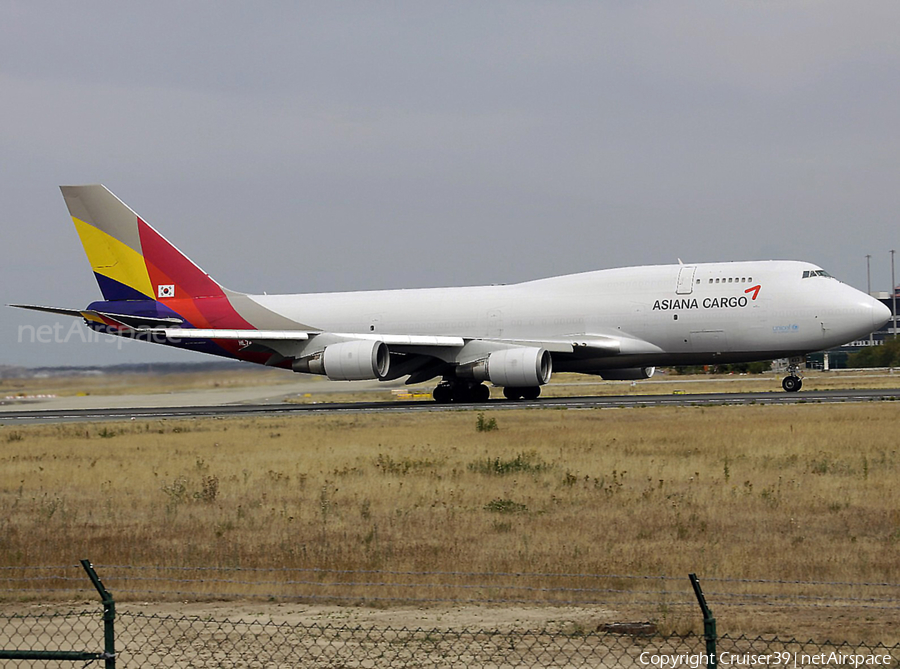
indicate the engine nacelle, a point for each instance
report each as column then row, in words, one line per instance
column 515, row 367
column 630, row 374
column 348, row 361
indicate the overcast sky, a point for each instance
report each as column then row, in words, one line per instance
column 302, row 147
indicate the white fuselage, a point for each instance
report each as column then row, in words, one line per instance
column 667, row 314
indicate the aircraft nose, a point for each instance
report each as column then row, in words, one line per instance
column 880, row 314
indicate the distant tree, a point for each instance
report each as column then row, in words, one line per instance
column 736, row 368
column 745, row 367
column 760, row 367
column 886, row 355
column 687, row 369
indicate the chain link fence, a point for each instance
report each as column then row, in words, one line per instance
column 60, row 635
column 52, row 635
column 180, row 641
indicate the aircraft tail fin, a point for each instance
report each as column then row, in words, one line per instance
column 131, row 260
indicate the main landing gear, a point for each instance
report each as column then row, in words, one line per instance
column 529, row 393
column 465, row 392
column 792, row 382
column 461, row 392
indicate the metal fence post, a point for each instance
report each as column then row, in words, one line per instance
column 709, row 623
column 109, row 616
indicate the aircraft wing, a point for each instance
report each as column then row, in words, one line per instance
column 299, row 335
column 417, row 356
column 589, row 345
column 420, row 357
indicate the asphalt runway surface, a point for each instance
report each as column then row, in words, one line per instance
column 16, row 415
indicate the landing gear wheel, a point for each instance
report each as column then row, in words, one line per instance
column 460, row 392
column 531, row 393
column 511, row 393
column 443, row 394
column 481, row 393
column 792, row 384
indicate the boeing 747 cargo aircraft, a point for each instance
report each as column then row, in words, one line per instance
column 616, row 323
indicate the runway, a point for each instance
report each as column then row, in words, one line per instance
column 36, row 416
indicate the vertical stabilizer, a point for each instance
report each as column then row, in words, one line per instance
column 130, row 259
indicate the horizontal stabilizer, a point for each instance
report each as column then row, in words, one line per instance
column 129, row 320
column 77, row 313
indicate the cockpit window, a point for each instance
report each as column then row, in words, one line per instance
column 816, row 272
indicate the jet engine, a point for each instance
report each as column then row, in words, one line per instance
column 629, row 374
column 348, row 361
column 516, row 367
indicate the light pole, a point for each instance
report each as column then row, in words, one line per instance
column 869, row 273
column 893, row 297
column 869, row 289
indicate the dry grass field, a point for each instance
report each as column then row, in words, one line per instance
column 795, row 493
column 144, row 383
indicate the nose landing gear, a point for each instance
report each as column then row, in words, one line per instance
column 792, row 382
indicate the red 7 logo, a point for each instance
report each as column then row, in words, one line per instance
column 754, row 290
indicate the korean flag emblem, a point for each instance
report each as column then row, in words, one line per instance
column 165, row 290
